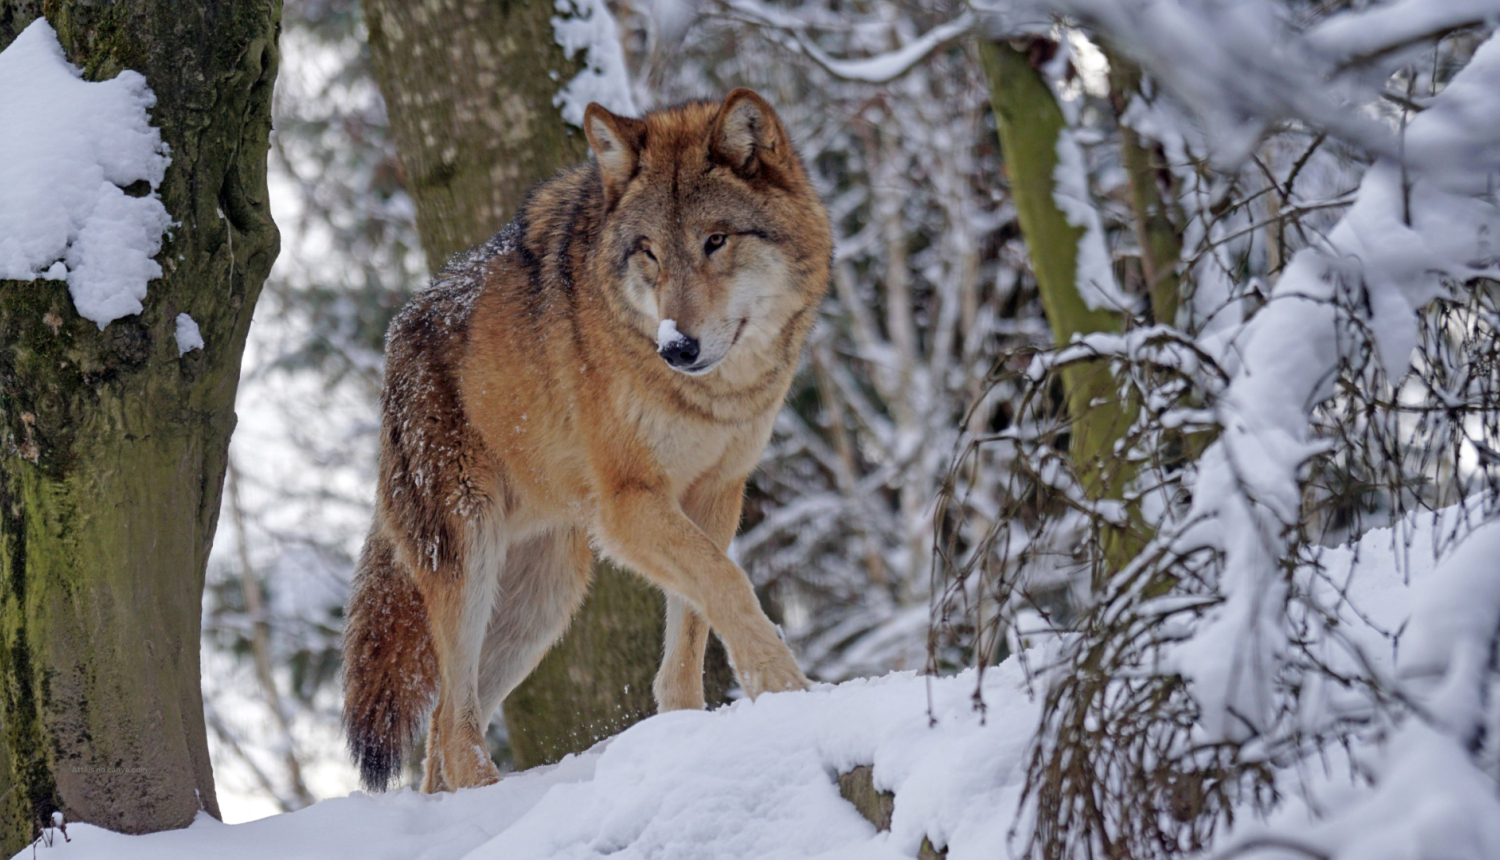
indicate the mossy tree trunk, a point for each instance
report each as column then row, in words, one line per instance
column 1030, row 122
column 113, row 449
column 469, row 86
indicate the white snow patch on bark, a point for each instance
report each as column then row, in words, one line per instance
column 68, row 149
column 1070, row 191
column 188, row 336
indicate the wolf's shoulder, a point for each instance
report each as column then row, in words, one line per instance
column 445, row 307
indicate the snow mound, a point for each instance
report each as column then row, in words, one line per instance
column 751, row 780
column 68, row 149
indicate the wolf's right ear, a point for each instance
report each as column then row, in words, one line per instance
column 617, row 142
column 747, row 134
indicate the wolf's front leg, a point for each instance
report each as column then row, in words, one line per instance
column 648, row 531
column 714, row 504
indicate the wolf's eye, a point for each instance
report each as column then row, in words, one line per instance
column 644, row 246
column 714, row 243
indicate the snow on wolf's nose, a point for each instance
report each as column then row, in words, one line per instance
column 678, row 349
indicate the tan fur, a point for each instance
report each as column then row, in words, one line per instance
column 526, row 415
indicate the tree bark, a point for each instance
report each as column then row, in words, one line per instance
column 113, row 448
column 1029, row 123
column 1158, row 218
column 469, row 86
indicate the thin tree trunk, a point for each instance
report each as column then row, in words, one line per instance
column 1030, row 122
column 1158, row 218
column 260, row 653
column 470, row 85
column 113, row 448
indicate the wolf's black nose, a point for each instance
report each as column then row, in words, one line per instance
column 681, row 352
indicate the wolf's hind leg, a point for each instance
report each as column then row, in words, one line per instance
column 459, row 611
column 543, row 583
column 432, row 766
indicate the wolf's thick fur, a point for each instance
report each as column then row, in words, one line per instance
column 527, row 414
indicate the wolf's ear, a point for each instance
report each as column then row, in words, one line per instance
column 747, row 134
column 617, row 142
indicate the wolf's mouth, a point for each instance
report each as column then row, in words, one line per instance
column 703, row 367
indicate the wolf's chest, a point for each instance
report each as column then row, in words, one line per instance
column 684, row 447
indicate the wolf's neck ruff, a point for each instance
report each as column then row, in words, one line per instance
column 604, row 372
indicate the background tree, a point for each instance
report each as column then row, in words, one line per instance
column 113, row 448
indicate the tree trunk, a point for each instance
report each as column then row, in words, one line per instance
column 1158, row 218
column 113, row 449
column 1029, row 123
column 469, row 85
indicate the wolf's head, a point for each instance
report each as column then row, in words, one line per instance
column 716, row 241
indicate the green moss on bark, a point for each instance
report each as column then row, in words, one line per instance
column 112, row 447
column 1029, row 122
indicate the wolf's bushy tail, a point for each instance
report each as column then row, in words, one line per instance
column 390, row 668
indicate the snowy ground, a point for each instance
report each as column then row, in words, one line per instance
column 753, row 780
column 758, row 779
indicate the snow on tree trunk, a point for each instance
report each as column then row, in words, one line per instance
column 113, row 441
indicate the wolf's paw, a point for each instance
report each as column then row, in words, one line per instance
column 676, row 695
column 773, row 676
column 469, row 768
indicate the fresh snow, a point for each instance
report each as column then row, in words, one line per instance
column 752, row 780
column 667, row 334
column 1095, row 272
column 188, row 336
column 1423, row 621
column 68, row 148
column 758, row 779
column 1410, row 226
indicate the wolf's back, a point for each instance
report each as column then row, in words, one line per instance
column 390, row 668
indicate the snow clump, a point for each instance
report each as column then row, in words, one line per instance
column 667, row 334
column 188, row 336
column 68, row 149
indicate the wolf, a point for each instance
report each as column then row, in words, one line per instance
column 602, row 374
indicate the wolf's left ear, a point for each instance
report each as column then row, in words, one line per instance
column 617, row 142
column 748, row 135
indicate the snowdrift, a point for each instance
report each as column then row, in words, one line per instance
column 752, row 780
column 760, row 779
